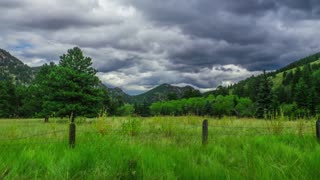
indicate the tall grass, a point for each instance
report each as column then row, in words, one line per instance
column 160, row 148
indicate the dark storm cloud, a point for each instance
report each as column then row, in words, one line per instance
column 11, row 4
column 257, row 7
column 137, row 44
column 54, row 15
column 242, row 24
column 305, row 5
column 59, row 22
column 114, row 64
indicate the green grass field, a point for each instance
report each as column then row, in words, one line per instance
column 159, row 148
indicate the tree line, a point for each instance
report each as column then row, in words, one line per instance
column 218, row 106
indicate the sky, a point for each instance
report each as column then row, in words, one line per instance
column 139, row 44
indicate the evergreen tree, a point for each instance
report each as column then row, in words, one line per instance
column 287, row 79
column 312, row 100
column 71, row 88
column 29, row 101
column 172, row 96
column 191, row 93
column 145, row 108
column 264, row 98
column 301, row 94
column 253, row 88
column 8, row 101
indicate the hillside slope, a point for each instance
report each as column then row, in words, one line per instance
column 285, row 78
column 117, row 93
column 11, row 67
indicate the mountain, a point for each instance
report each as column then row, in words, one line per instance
column 11, row 67
column 165, row 92
column 160, row 93
column 118, row 93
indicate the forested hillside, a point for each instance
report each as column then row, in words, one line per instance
column 295, row 89
column 13, row 68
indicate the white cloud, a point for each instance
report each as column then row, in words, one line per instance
column 207, row 77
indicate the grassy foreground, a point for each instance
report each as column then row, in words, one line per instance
column 159, row 148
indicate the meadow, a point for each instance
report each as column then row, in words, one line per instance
column 159, row 148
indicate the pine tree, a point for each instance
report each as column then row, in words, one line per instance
column 145, row 108
column 71, row 88
column 8, row 101
column 301, row 94
column 264, row 98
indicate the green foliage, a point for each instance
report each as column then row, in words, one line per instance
column 213, row 106
column 131, row 127
column 71, row 87
column 142, row 109
column 125, row 110
column 245, row 107
column 115, row 103
column 289, row 110
column 8, row 101
column 223, row 105
column 221, row 91
column 297, row 83
column 301, row 94
column 172, row 96
column 191, row 93
column 165, row 92
column 264, row 99
column 30, row 101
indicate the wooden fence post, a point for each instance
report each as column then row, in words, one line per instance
column 46, row 119
column 318, row 129
column 72, row 132
column 72, row 135
column 205, row 132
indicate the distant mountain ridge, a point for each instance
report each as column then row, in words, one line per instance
column 159, row 93
column 13, row 68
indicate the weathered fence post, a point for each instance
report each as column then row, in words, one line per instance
column 72, row 133
column 205, row 132
column 318, row 129
column 46, row 119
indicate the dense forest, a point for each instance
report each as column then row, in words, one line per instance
column 294, row 92
column 72, row 88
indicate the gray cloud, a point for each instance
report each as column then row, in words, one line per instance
column 239, row 23
column 137, row 44
column 11, row 4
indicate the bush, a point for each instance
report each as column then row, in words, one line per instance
column 125, row 110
